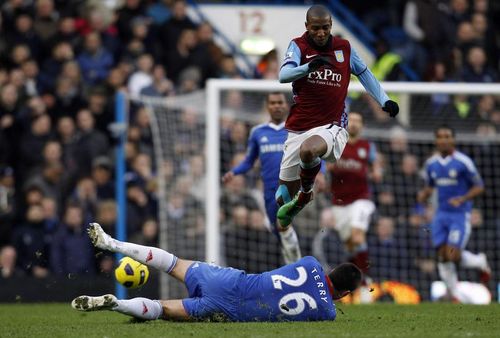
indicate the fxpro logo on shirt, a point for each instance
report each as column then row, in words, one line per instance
column 325, row 77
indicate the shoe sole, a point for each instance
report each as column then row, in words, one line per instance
column 93, row 234
column 87, row 303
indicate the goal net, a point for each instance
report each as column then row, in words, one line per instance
column 197, row 138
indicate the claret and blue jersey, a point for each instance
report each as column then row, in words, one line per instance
column 452, row 176
column 294, row 292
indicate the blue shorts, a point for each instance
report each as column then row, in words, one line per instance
column 451, row 228
column 212, row 290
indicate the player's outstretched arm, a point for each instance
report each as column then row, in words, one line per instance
column 372, row 85
column 291, row 72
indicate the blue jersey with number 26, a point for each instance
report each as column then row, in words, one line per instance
column 294, row 292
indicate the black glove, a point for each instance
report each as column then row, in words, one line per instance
column 317, row 62
column 391, row 107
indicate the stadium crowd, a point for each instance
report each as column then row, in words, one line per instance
column 61, row 62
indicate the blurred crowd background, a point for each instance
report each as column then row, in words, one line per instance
column 61, row 62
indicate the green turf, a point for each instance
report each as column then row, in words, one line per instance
column 381, row 320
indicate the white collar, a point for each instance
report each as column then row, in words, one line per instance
column 276, row 126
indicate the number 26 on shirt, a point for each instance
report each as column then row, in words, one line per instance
column 301, row 298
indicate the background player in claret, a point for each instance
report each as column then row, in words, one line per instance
column 300, row 291
column 319, row 66
column 457, row 182
column 352, row 207
column 266, row 143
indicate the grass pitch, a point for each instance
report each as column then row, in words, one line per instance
column 377, row 320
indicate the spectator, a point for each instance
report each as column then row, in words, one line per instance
column 171, row 30
column 180, row 56
column 31, row 243
column 228, row 68
column 389, row 258
column 139, row 207
column 25, row 34
column 95, row 60
column 66, row 134
column 52, row 66
column 32, row 85
column 9, row 106
column 476, row 68
column 91, row 142
column 148, row 235
column 50, row 214
column 103, row 177
column 159, row 11
column 32, row 143
column 420, row 17
column 71, row 251
column 7, row 203
column 46, row 18
column 99, row 104
column 85, row 195
column 67, row 98
column 126, row 14
column 8, row 268
column 66, row 31
column 161, row 85
column 143, row 76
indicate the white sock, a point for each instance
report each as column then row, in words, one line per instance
column 289, row 237
column 139, row 307
column 473, row 261
column 448, row 273
column 151, row 256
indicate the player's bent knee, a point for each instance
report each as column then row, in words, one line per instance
column 282, row 195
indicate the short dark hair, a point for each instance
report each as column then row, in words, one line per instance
column 273, row 93
column 317, row 11
column 445, row 127
column 346, row 277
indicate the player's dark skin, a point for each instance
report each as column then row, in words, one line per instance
column 318, row 28
column 445, row 145
column 277, row 108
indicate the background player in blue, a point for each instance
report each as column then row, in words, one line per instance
column 300, row 291
column 457, row 181
column 266, row 143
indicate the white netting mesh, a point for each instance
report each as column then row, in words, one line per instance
column 399, row 239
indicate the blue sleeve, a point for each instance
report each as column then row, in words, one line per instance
column 292, row 55
column 291, row 69
column 473, row 177
column 429, row 181
column 372, row 155
column 367, row 79
column 252, row 154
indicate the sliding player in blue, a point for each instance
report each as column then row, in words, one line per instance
column 457, row 181
column 266, row 143
column 300, row 291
